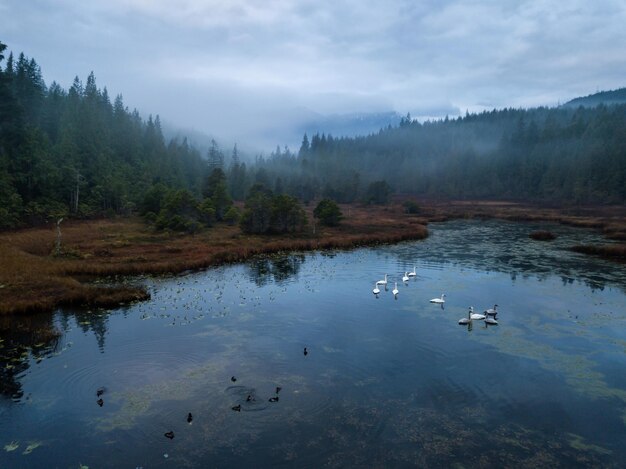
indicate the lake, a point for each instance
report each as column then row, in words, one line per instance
column 386, row 382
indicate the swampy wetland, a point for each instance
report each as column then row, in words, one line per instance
column 386, row 382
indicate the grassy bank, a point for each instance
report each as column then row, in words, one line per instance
column 32, row 279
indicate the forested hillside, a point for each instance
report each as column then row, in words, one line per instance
column 544, row 154
column 603, row 97
column 77, row 152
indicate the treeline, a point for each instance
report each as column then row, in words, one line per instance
column 75, row 152
column 544, row 154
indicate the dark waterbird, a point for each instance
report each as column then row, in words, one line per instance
column 306, row 352
column 100, row 391
column 233, row 379
column 278, row 388
column 189, row 417
column 274, row 399
column 169, row 435
column 237, row 408
column 249, row 398
column 100, row 402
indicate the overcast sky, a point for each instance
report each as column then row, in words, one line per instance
column 237, row 69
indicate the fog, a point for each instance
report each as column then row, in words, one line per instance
column 257, row 73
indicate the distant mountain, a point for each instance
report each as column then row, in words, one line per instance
column 349, row 125
column 603, row 97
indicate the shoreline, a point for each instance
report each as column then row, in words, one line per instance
column 33, row 281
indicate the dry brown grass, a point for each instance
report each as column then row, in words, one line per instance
column 31, row 279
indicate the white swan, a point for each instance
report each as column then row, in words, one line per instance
column 491, row 311
column 476, row 316
column 467, row 320
column 376, row 290
column 395, row 290
column 382, row 282
column 406, row 277
column 439, row 300
column 413, row 274
column 491, row 321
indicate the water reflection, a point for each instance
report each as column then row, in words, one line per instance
column 497, row 246
column 22, row 340
column 87, row 321
column 278, row 269
column 385, row 383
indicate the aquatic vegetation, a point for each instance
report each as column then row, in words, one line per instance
column 32, row 446
column 11, row 446
column 578, row 442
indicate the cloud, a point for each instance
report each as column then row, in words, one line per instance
column 238, row 67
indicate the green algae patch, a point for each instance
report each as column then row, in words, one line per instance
column 32, row 446
column 578, row 442
column 11, row 446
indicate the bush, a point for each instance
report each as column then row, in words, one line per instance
column 378, row 192
column 411, row 207
column 232, row 216
column 328, row 213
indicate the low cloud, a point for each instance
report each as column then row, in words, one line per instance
column 240, row 67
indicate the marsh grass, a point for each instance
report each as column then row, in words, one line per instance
column 33, row 279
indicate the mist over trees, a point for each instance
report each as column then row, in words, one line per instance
column 560, row 155
column 78, row 153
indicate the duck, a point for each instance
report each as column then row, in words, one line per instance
column 100, row 402
column 491, row 311
column 169, row 435
column 237, row 408
column 273, row 399
column 306, row 352
column 476, row 316
column 383, row 281
column 467, row 320
column 439, row 300
column 189, row 418
column 414, row 273
column 233, row 379
column 100, row 392
column 406, row 277
column 395, row 290
column 278, row 388
column 376, row 290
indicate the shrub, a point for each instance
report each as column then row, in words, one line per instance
column 328, row 213
column 411, row 207
column 232, row 216
column 378, row 192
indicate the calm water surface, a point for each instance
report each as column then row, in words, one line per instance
column 386, row 383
